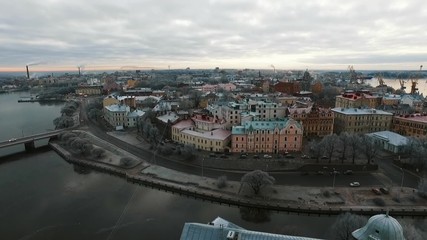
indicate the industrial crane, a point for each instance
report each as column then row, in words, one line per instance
column 381, row 81
column 402, row 84
column 414, row 81
column 353, row 75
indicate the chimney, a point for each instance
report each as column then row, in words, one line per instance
column 28, row 72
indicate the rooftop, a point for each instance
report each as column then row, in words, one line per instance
column 219, row 229
column 217, row 134
column 264, row 125
column 360, row 111
column 117, row 108
column 413, row 117
column 391, row 137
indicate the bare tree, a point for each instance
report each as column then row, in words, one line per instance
column 344, row 138
column 256, row 180
column 187, row 152
column 353, row 143
column 411, row 232
column 154, row 136
column 329, row 144
column 369, row 147
column 316, row 150
column 98, row 152
column 126, row 161
column 416, row 150
column 221, row 182
column 196, row 97
column 345, row 224
column 422, row 188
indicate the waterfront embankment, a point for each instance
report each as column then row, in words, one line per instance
column 304, row 200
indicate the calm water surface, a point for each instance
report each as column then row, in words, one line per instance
column 44, row 197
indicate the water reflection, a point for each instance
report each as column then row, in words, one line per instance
column 255, row 215
column 81, row 169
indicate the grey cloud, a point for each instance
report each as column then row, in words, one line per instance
column 124, row 32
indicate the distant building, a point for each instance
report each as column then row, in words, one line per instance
column 267, row 136
column 290, row 88
column 225, row 230
column 357, row 99
column 89, row 90
column 361, row 120
column 412, row 125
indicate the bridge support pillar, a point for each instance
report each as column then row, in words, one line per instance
column 29, row 146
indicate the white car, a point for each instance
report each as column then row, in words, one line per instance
column 267, row 156
column 12, row 140
column 354, row 184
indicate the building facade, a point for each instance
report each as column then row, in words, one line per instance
column 411, row 125
column 316, row 121
column 267, row 136
column 89, row 90
column 185, row 132
column 357, row 99
column 360, row 120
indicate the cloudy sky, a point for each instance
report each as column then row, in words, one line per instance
column 291, row 34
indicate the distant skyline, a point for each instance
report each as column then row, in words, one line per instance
column 148, row 34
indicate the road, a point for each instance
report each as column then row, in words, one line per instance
column 285, row 178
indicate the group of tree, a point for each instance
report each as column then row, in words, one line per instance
column 343, row 146
column 94, row 109
column 57, row 93
column 66, row 120
column 186, row 152
column 148, row 131
column 415, row 152
column 81, row 146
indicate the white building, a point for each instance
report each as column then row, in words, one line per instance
column 390, row 141
column 120, row 116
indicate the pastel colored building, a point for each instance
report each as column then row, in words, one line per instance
column 267, row 136
column 185, row 132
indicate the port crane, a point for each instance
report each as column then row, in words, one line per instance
column 402, row 84
column 414, row 81
column 381, row 81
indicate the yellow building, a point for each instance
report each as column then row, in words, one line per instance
column 217, row 140
column 89, row 90
column 414, row 125
column 110, row 100
column 355, row 120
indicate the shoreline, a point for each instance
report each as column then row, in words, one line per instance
column 218, row 196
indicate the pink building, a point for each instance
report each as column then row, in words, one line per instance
column 267, row 137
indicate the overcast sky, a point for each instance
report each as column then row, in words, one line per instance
column 314, row 34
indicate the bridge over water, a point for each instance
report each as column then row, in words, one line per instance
column 29, row 141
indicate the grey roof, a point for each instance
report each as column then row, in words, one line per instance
column 381, row 227
column 360, row 111
column 391, row 137
column 212, row 231
column 264, row 125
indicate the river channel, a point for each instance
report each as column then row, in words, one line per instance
column 44, row 197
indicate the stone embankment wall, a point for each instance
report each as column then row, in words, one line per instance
column 218, row 196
